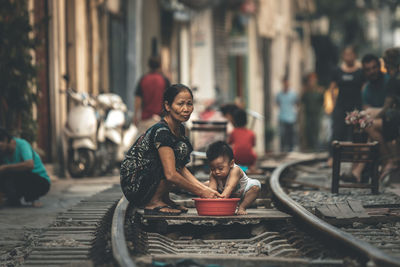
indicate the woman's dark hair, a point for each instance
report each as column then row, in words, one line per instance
column 5, row 135
column 370, row 57
column 218, row 149
column 172, row 92
column 240, row 118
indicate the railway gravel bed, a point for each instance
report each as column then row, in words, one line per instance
column 380, row 225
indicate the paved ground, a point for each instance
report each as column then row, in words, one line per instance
column 64, row 193
column 21, row 223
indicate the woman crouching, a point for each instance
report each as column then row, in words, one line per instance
column 157, row 159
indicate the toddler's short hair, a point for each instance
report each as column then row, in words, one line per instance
column 218, row 149
column 240, row 118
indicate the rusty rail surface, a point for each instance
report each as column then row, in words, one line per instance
column 363, row 248
column 118, row 240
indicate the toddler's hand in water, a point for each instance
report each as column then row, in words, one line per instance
column 210, row 193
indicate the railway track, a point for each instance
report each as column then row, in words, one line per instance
column 350, row 238
column 288, row 230
column 298, row 239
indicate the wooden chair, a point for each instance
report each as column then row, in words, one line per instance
column 203, row 133
column 355, row 152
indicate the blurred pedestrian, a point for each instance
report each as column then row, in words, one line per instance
column 349, row 79
column 375, row 89
column 287, row 101
column 373, row 98
column 312, row 101
column 157, row 161
column 149, row 95
column 243, row 141
column 22, row 173
column 386, row 125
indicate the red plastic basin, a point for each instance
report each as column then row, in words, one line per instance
column 216, row 206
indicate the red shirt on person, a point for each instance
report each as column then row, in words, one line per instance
column 151, row 89
column 242, row 141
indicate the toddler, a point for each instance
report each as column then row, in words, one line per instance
column 242, row 141
column 228, row 178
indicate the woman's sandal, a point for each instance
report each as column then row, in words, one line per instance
column 158, row 211
column 349, row 178
column 179, row 207
column 36, row 204
column 385, row 175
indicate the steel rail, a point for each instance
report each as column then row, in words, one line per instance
column 299, row 211
column 118, row 240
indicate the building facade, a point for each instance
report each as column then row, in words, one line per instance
column 225, row 50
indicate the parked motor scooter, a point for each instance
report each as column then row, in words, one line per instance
column 119, row 131
column 80, row 134
column 98, row 133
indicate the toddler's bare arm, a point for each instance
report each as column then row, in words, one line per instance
column 232, row 182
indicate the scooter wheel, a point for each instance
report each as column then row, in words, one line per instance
column 83, row 165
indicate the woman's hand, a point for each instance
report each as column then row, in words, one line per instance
column 225, row 195
column 210, row 193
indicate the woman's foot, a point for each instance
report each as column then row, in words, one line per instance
column 329, row 162
column 37, row 204
column 172, row 204
column 166, row 199
column 356, row 176
column 387, row 170
column 349, row 178
column 162, row 207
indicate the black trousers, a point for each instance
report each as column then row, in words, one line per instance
column 340, row 130
column 287, row 133
column 23, row 184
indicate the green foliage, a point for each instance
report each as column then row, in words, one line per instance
column 17, row 72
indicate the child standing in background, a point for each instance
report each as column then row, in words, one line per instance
column 242, row 140
column 228, row 178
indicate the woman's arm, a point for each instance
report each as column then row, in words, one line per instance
column 184, row 178
column 331, row 89
column 232, row 182
column 26, row 165
column 387, row 104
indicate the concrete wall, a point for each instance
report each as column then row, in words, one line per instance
column 202, row 65
column 81, row 49
column 184, row 44
column 150, row 30
column 57, row 68
column 256, row 94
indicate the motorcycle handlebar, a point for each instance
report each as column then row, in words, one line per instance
column 88, row 99
column 84, row 98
